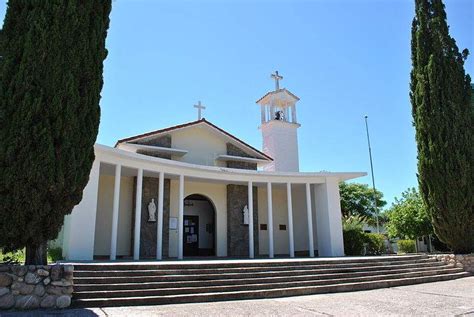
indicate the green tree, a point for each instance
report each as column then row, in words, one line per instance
column 408, row 217
column 358, row 199
column 50, row 84
column 444, row 120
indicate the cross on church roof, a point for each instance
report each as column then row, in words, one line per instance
column 277, row 79
column 199, row 107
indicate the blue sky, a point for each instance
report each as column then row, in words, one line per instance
column 343, row 58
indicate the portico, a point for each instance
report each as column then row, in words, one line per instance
column 318, row 191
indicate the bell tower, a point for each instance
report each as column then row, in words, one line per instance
column 279, row 128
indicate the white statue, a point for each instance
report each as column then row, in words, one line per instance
column 245, row 212
column 152, row 211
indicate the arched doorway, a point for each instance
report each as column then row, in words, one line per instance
column 199, row 226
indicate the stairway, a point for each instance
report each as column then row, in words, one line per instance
column 154, row 283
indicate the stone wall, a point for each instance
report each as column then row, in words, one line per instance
column 148, row 230
column 466, row 261
column 233, row 150
column 35, row 286
column 163, row 141
column 238, row 233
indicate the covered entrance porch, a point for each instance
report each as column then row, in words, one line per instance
column 256, row 214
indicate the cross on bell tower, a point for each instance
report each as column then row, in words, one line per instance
column 277, row 79
column 199, row 107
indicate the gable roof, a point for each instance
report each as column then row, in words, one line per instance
column 190, row 124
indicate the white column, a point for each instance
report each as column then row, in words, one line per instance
column 262, row 110
column 138, row 215
column 293, row 113
column 310, row 221
column 115, row 212
column 159, row 229
column 79, row 226
column 270, row 221
column 329, row 224
column 250, row 206
column 180, row 216
column 291, row 241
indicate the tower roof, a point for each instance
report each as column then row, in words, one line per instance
column 282, row 93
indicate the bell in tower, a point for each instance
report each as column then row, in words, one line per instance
column 279, row 128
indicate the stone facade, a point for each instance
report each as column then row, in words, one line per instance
column 238, row 233
column 233, row 150
column 163, row 141
column 148, row 230
column 466, row 261
column 35, row 286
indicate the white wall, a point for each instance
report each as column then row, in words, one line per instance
column 300, row 218
column 103, row 226
column 329, row 223
column 280, row 141
column 79, row 226
column 280, row 216
column 204, row 210
column 217, row 194
column 202, row 144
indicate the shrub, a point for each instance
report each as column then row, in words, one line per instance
column 406, row 246
column 353, row 234
column 375, row 243
column 15, row 257
column 55, row 254
column 18, row 256
column 353, row 241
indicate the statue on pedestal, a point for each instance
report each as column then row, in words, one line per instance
column 245, row 213
column 152, row 211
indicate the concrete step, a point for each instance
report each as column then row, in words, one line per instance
column 269, row 293
column 233, row 263
column 154, row 272
column 255, row 286
column 263, row 273
column 243, row 281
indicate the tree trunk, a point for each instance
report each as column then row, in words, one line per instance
column 36, row 254
column 430, row 245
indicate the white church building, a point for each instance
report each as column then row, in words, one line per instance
column 195, row 190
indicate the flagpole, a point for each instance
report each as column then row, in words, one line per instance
column 372, row 172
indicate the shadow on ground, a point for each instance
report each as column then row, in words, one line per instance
column 83, row 312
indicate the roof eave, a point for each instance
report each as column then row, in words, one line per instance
column 185, row 125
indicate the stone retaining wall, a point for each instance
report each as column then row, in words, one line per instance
column 466, row 261
column 35, row 286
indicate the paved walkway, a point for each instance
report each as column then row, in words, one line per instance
column 448, row 298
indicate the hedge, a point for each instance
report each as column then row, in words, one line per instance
column 406, row 246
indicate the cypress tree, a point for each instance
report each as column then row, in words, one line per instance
column 444, row 120
column 50, row 83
